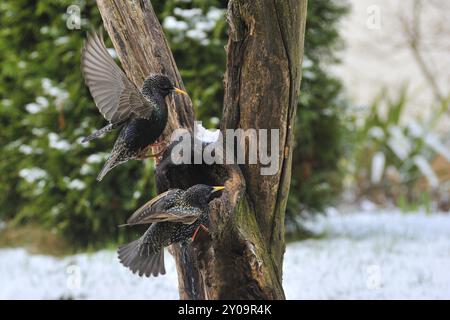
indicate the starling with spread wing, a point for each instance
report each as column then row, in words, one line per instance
column 140, row 114
column 175, row 215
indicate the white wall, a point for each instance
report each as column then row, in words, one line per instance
column 377, row 55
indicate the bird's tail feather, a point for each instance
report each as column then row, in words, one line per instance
column 103, row 172
column 109, row 165
column 100, row 132
column 139, row 257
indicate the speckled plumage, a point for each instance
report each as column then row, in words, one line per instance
column 175, row 216
column 141, row 114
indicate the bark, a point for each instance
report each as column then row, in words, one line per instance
column 242, row 256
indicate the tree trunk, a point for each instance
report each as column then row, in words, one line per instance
column 242, row 257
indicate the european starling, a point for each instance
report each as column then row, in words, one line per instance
column 142, row 114
column 176, row 215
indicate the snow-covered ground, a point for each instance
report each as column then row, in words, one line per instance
column 367, row 255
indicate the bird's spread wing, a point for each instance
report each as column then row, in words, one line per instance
column 115, row 95
column 175, row 214
column 159, row 203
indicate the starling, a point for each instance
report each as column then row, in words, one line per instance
column 176, row 215
column 141, row 114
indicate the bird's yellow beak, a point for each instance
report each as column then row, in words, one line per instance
column 218, row 188
column 179, row 91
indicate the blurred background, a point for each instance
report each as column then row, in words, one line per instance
column 368, row 209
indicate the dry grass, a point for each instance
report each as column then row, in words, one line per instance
column 35, row 239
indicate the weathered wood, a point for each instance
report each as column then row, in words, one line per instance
column 265, row 52
column 242, row 257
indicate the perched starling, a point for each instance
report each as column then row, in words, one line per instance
column 176, row 215
column 141, row 115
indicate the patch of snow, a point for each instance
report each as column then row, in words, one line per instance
column 328, row 112
column 379, row 255
column 172, row 24
column 307, row 74
column 398, row 143
column 34, row 107
column 75, row 184
column 433, row 141
column 415, row 129
column 426, row 170
column 196, row 34
column 55, row 142
column 368, row 206
column 205, row 42
column 42, row 101
column 207, row 25
column 59, row 94
column 39, row 187
column 57, row 209
column 34, row 55
column 384, row 255
column 83, row 276
column 46, row 84
column 204, row 134
column 187, row 13
column 112, row 52
column 38, row 131
column 378, row 162
column 215, row 120
column 136, row 194
column 96, row 158
column 62, row 40
column 193, row 23
column 376, row 132
column 86, row 169
column 215, row 14
column 14, row 144
column 25, row 149
column 32, row 174
column 6, row 102
column 307, row 63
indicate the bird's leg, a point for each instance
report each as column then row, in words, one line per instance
column 157, row 143
column 197, row 230
column 154, row 155
column 143, row 154
column 146, row 152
